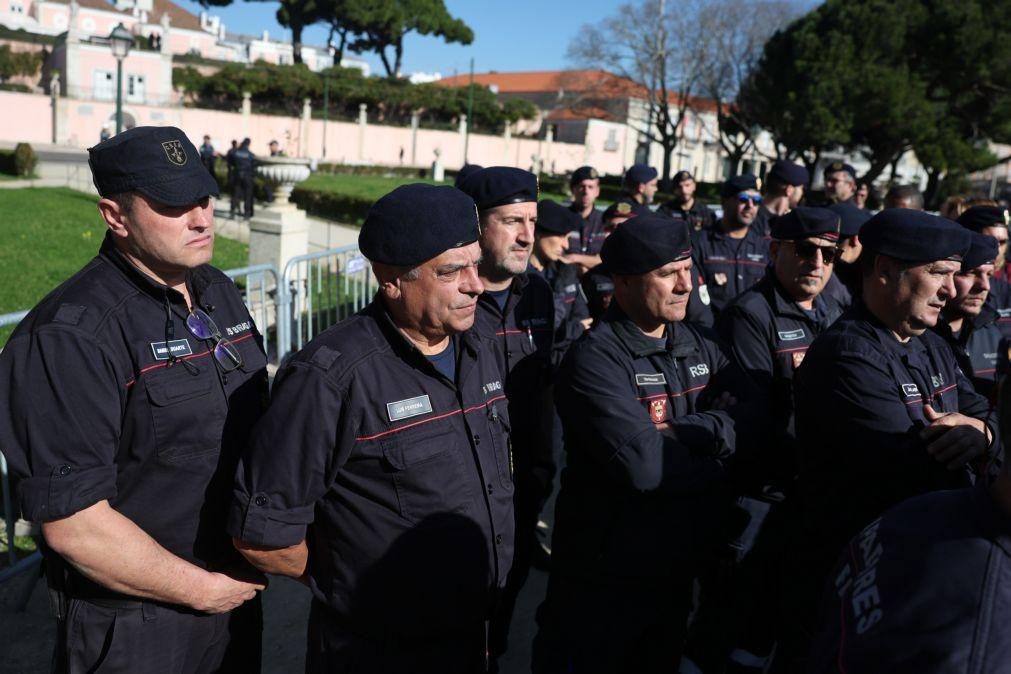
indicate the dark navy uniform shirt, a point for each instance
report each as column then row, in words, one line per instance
column 859, row 397
column 399, row 479
column 523, row 335
column 730, row 266
column 590, row 237
column 243, row 161
column 923, row 590
column 769, row 335
column 698, row 217
column 976, row 347
column 569, row 303
column 634, row 501
column 106, row 395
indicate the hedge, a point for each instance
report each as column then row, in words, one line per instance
column 21, row 161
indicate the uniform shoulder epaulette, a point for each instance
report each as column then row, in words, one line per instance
column 69, row 314
column 325, row 357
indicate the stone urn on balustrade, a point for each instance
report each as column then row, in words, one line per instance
column 279, row 231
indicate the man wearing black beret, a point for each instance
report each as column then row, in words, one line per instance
column 389, row 435
column 122, row 410
column 732, row 256
column 585, row 242
column 994, row 221
column 685, row 206
column 769, row 328
column 517, row 312
column 845, row 282
column 642, row 400
column 782, row 191
column 883, row 411
column 840, row 182
column 969, row 322
column 551, row 238
column 640, row 185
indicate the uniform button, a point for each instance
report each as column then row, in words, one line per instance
column 260, row 500
column 490, row 488
column 64, row 470
column 476, row 438
column 498, row 539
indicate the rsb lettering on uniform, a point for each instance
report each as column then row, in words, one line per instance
column 699, row 370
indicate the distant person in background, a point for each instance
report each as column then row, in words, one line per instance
column 585, row 242
column 861, row 195
column 840, row 182
column 275, row 149
column 233, row 209
column 244, row 162
column 954, row 206
column 208, row 155
column 465, row 172
column 783, row 190
column 904, row 196
column 640, row 186
column 685, row 206
column 104, row 134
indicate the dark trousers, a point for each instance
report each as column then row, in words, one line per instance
column 334, row 649
column 242, row 194
column 148, row 638
column 589, row 627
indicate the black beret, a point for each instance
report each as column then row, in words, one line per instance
column 682, row 175
column 982, row 250
column 852, row 218
column 915, row 236
column 978, row 217
column 583, row 173
column 646, row 243
column 553, row 218
column 787, row 173
column 626, row 209
column 738, row 184
column 837, row 166
column 500, row 185
column 160, row 162
column 640, row 173
column 804, row 222
column 417, row 222
column 466, row 171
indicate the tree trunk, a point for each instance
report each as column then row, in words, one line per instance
column 933, row 185
column 296, row 38
column 386, row 62
column 398, row 49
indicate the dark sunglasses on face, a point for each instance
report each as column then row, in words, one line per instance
column 745, row 198
column 202, row 327
column 807, row 250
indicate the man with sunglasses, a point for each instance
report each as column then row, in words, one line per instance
column 769, row 329
column 732, row 256
column 127, row 395
column 883, row 412
column 382, row 474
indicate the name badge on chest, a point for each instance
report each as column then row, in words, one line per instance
column 165, row 350
column 411, row 407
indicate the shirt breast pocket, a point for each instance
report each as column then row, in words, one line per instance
column 427, row 472
column 500, row 431
column 186, row 416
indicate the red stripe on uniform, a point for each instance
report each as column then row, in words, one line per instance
column 189, row 357
column 796, row 348
column 933, row 395
column 425, row 421
column 674, row 395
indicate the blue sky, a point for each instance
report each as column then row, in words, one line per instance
column 508, row 34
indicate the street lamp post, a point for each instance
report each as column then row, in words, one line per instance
column 120, row 40
column 326, row 94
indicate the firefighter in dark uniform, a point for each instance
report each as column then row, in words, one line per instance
column 685, row 206
column 732, row 257
column 782, row 192
column 517, row 311
column 127, row 394
column 585, row 242
column 923, row 589
column 551, row 236
column 840, row 180
column 769, row 329
column 883, row 411
column 994, row 221
column 969, row 323
column 466, row 171
column 645, row 437
column 388, row 434
column 845, row 282
column 243, row 163
column 640, row 185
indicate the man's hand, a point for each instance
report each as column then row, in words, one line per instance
column 953, row 439
column 221, row 593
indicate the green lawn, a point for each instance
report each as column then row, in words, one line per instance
column 50, row 233
column 373, row 187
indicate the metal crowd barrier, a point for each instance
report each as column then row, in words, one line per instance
column 258, row 286
column 323, row 289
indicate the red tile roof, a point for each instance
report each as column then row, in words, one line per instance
column 178, row 17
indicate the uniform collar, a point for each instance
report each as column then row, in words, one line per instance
column 783, row 304
column 885, row 336
column 679, row 341
column 196, row 279
column 718, row 233
column 520, row 282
